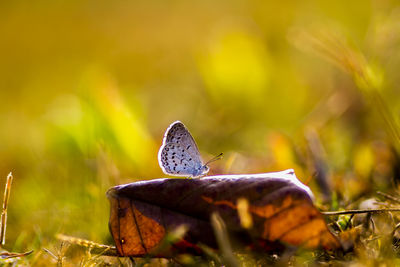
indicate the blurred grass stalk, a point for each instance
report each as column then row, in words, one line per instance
column 3, row 224
column 244, row 213
column 221, row 235
column 334, row 47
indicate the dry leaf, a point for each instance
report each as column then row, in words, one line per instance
column 281, row 208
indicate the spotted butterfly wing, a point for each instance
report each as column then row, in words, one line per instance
column 179, row 155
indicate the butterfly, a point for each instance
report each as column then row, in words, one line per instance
column 179, row 155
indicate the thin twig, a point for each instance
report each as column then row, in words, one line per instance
column 395, row 199
column 358, row 211
column 10, row 255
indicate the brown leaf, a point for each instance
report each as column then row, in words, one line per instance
column 281, row 209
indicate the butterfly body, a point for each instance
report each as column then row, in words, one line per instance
column 179, row 155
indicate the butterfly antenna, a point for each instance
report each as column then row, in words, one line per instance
column 214, row 159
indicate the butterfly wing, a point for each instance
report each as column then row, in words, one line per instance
column 179, row 154
column 174, row 161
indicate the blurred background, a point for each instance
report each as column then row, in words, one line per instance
column 88, row 88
